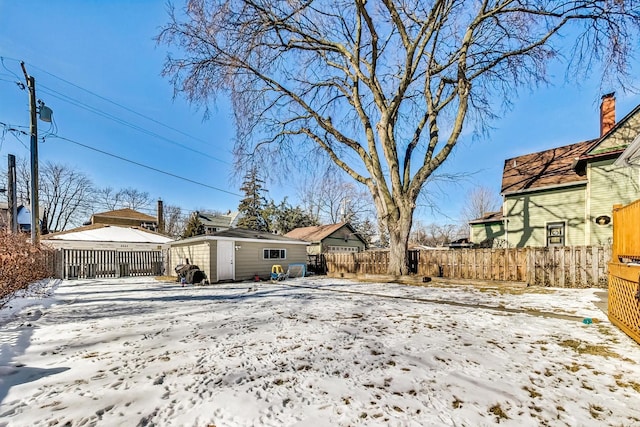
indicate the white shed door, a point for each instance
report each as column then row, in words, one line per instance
column 225, row 260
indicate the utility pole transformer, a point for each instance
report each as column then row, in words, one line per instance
column 35, row 218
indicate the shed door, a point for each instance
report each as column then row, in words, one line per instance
column 225, row 260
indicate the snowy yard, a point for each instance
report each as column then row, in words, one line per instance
column 313, row 352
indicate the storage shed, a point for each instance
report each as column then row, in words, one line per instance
column 237, row 254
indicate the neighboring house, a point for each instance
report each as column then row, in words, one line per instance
column 23, row 217
column 487, row 231
column 341, row 237
column 237, row 254
column 630, row 157
column 4, row 215
column 213, row 223
column 125, row 217
column 564, row 196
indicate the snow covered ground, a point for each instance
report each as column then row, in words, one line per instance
column 312, row 352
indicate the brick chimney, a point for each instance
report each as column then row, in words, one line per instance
column 160, row 216
column 607, row 113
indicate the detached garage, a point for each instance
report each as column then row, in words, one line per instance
column 102, row 250
column 237, row 254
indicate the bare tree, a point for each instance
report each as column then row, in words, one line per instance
column 480, row 200
column 66, row 194
column 110, row 199
column 107, row 199
column 330, row 199
column 383, row 88
column 174, row 221
column 434, row 234
column 134, row 199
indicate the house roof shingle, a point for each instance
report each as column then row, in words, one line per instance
column 315, row 233
column 126, row 213
column 549, row 168
column 488, row 217
column 215, row 220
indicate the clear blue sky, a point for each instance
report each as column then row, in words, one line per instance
column 107, row 47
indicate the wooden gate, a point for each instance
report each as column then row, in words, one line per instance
column 624, row 270
column 89, row 264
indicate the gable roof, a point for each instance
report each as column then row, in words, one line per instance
column 544, row 169
column 109, row 233
column 125, row 213
column 615, row 142
column 607, row 143
column 242, row 234
column 317, row 233
column 631, row 154
column 211, row 220
column 488, row 217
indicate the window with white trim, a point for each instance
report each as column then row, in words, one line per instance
column 555, row 234
column 270, row 253
column 344, row 249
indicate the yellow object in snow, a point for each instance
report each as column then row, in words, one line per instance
column 277, row 273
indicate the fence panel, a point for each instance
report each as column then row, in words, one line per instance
column 624, row 270
column 575, row 266
column 89, row 264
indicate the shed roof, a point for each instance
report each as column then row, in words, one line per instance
column 549, row 168
column 109, row 233
column 316, row 233
column 488, row 217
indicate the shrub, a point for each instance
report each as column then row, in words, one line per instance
column 22, row 263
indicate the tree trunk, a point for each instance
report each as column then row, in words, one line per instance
column 399, row 231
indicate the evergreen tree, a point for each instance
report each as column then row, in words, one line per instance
column 194, row 227
column 283, row 218
column 252, row 207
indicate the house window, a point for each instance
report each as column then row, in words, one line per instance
column 274, row 253
column 343, row 249
column 555, row 234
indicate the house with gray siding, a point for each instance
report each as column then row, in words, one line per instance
column 213, row 223
column 565, row 196
column 237, row 254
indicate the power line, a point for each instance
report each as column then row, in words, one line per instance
column 114, row 102
column 80, row 104
column 51, row 92
column 145, row 166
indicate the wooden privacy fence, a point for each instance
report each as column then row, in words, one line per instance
column 575, row 266
column 89, row 264
column 624, row 270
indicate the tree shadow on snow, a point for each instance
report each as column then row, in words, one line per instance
column 16, row 375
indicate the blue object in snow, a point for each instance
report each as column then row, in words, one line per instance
column 587, row 321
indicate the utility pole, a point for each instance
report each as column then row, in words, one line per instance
column 35, row 220
column 13, row 208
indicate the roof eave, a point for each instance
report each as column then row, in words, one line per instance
column 545, row 188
